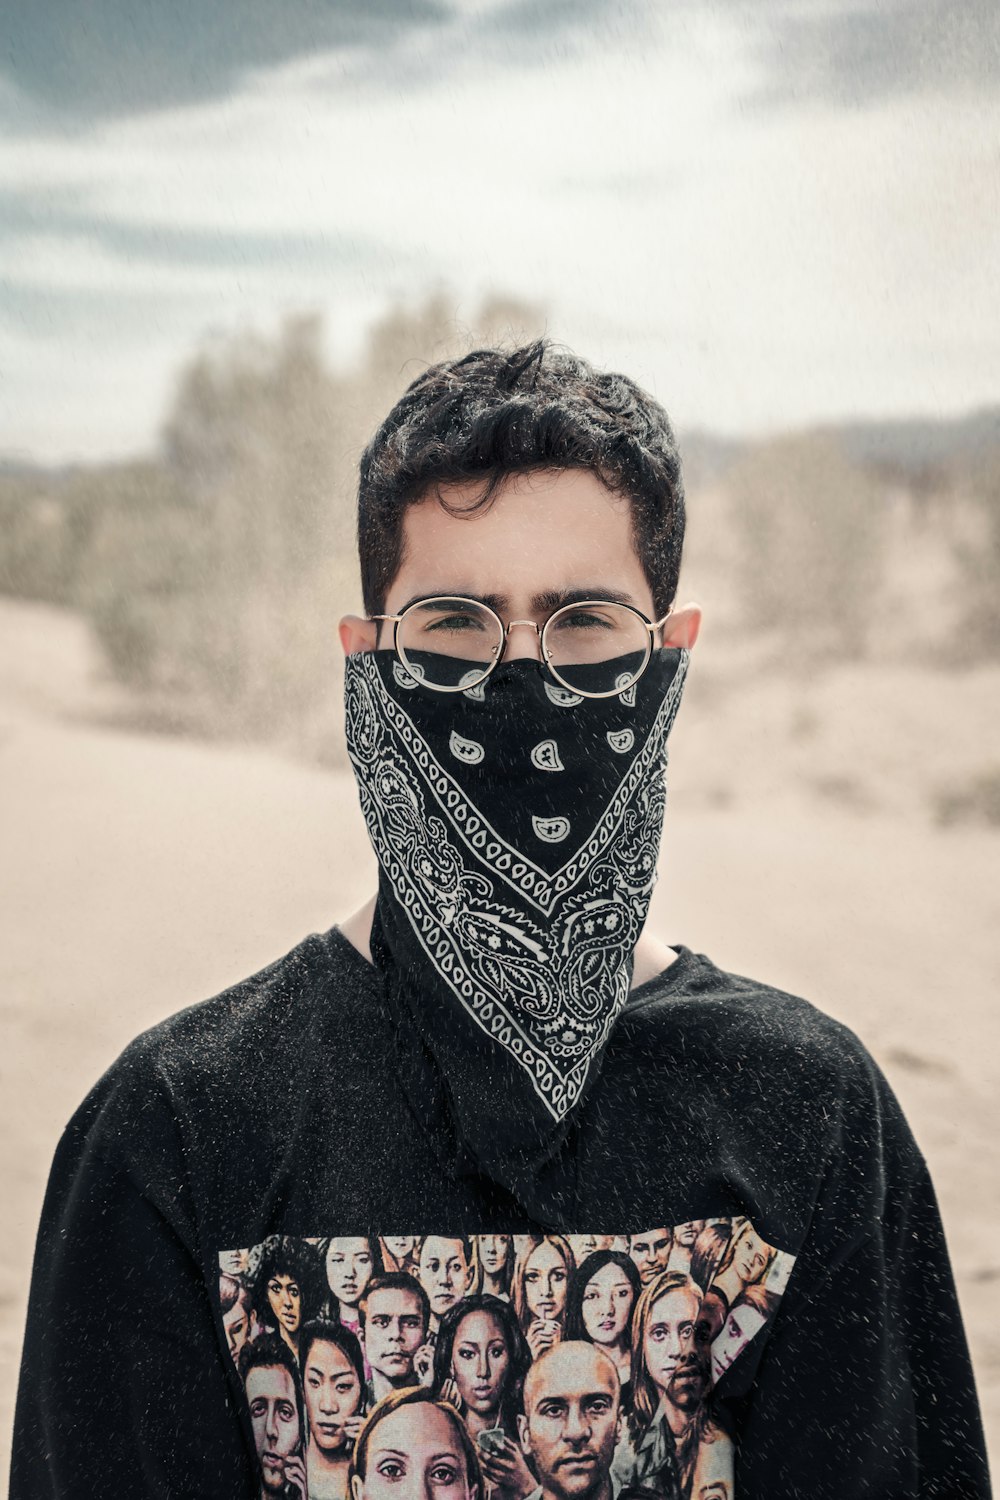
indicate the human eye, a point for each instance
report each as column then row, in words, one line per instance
column 444, row 1473
column 595, row 617
column 274, row 1287
column 258, row 1408
column 293, row 1290
column 391, row 1468
column 453, row 617
column 590, row 1295
column 286, row 1411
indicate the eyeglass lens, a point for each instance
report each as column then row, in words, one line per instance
column 453, row 643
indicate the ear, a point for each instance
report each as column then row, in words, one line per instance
column 682, row 625
column 357, row 634
column 522, row 1432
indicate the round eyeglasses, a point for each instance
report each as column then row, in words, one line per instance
column 594, row 647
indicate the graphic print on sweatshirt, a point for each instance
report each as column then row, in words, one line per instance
column 497, row 1366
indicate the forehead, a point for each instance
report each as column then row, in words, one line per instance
column 416, row 1428
column 675, row 1306
column 580, row 534
column 436, row 1245
column 327, row 1357
column 575, row 1371
column 272, row 1381
column 392, row 1299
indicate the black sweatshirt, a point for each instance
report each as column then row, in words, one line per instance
column 731, row 1113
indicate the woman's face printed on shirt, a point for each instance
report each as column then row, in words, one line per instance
column 333, row 1393
column 493, row 1251
column 480, row 1361
column 545, row 1278
column 663, row 1307
column 415, row 1453
column 285, row 1299
column 349, row 1266
column 607, row 1303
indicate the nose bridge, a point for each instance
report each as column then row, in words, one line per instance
column 525, row 646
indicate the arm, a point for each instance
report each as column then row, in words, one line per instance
column 123, row 1388
column 865, row 1387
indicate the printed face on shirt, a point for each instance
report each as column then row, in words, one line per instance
column 233, row 1262
column 349, row 1268
column 711, row 1317
column 545, row 1282
column 669, row 1334
column 275, row 1417
column 607, row 1302
column 686, row 1234
column 750, row 1256
column 572, row 1421
column 415, row 1453
column 236, row 1322
column 285, row 1301
column 582, row 1245
column 480, row 1362
column 650, row 1251
column 740, row 1327
column 333, row 1393
column 400, row 1246
column 445, row 1272
column 394, row 1330
column 493, row 1250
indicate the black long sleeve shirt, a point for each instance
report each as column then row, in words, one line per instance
column 272, row 1110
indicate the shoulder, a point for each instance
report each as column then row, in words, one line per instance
column 763, row 1053
column 197, row 1064
column 746, row 1022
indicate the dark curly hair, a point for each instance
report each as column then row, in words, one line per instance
column 496, row 412
column 284, row 1256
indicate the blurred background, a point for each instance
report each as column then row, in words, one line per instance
column 230, row 236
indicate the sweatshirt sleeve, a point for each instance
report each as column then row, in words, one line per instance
column 865, row 1387
column 123, row 1387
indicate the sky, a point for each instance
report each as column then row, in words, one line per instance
column 769, row 213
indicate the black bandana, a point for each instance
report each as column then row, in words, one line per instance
column 517, row 827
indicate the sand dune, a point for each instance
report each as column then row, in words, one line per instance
column 141, row 874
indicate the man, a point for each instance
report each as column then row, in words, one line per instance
column 274, row 1398
column 446, row 1273
column 395, row 1314
column 492, row 1041
column 651, row 1252
column 571, row 1421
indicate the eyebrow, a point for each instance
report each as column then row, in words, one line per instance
column 542, row 603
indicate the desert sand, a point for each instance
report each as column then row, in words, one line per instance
column 141, row 874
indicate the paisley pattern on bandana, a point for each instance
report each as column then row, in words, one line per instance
column 539, row 957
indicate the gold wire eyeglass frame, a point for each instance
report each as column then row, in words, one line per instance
column 545, row 656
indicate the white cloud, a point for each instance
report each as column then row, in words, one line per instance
column 755, row 267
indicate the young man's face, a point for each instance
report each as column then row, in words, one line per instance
column 394, row 1330
column 572, row 1419
column 650, row 1252
column 444, row 1272
column 548, row 534
column 275, row 1417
